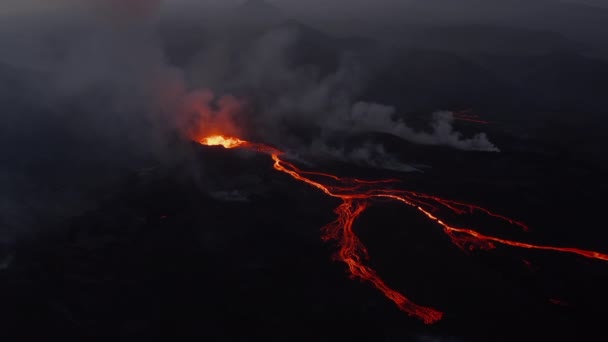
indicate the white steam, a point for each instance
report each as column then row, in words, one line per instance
column 303, row 94
column 99, row 96
column 368, row 154
column 381, row 118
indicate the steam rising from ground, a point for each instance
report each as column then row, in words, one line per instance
column 368, row 154
column 380, row 118
column 88, row 94
column 302, row 95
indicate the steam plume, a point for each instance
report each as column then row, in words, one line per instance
column 288, row 94
column 92, row 87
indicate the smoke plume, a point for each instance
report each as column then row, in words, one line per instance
column 289, row 94
column 90, row 91
column 85, row 95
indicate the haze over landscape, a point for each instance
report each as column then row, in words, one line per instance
column 115, row 221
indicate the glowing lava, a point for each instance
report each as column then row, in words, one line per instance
column 220, row 140
column 356, row 194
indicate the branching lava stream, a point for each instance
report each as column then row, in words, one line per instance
column 356, row 194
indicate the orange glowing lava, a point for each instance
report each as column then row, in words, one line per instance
column 220, row 140
column 356, row 195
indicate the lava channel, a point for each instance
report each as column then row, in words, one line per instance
column 356, row 195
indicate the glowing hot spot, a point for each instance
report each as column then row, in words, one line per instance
column 220, row 140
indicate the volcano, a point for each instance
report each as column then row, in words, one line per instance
column 269, row 180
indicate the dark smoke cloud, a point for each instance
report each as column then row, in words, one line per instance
column 89, row 94
column 367, row 154
column 302, row 94
column 380, row 118
column 85, row 95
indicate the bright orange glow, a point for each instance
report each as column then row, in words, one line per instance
column 220, row 140
column 356, row 194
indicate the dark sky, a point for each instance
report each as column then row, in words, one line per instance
column 14, row 6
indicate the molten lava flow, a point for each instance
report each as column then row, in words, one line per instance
column 356, row 194
column 352, row 252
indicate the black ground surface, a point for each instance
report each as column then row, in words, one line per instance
column 162, row 257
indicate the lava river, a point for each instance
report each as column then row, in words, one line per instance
column 356, row 195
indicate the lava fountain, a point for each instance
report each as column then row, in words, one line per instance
column 356, row 195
